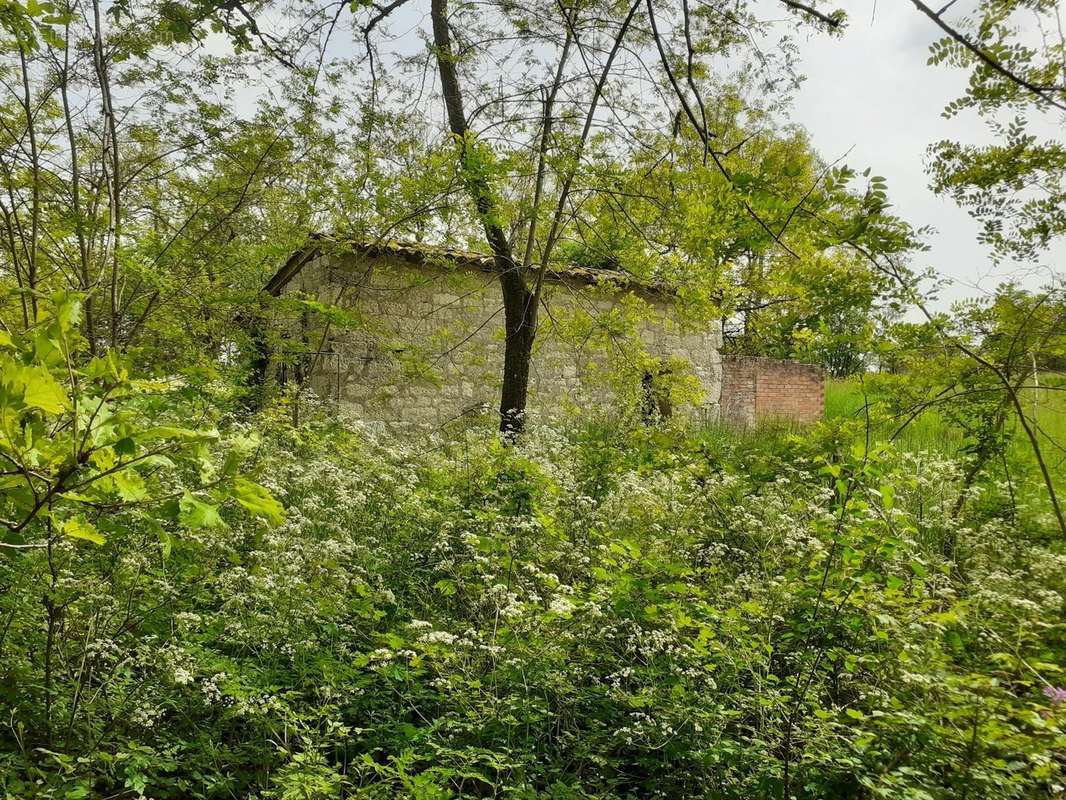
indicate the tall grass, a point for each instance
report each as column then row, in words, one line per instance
column 928, row 431
column 932, row 431
column 1047, row 406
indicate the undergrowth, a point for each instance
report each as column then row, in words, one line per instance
column 600, row 613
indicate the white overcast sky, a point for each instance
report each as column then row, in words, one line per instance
column 871, row 90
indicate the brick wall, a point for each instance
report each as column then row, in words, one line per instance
column 767, row 388
column 738, row 390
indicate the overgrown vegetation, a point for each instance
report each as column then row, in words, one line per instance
column 603, row 613
column 934, row 431
column 213, row 587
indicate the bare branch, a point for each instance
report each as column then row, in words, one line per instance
column 830, row 21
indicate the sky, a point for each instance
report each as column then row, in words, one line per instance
column 871, row 90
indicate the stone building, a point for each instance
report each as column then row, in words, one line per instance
column 421, row 339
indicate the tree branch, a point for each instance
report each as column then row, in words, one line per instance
column 1042, row 93
column 830, row 21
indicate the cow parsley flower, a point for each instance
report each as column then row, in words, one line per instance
column 562, row 606
column 437, row 637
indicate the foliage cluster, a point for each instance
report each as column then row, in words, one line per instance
column 981, row 369
column 604, row 613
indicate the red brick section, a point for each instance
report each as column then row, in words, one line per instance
column 738, row 390
column 767, row 388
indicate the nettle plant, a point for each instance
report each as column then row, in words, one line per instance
column 80, row 440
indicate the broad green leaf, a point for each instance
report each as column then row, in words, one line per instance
column 245, row 443
column 171, row 432
column 103, row 459
column 167, row 543
column 107, row 366
column 231, row 462
column 79, row 528
column 67, row 309
column 258, row 501
column 11, row 481
column 240, row 446
column 43, row 391
column 196, row 514
column 202, row 453
column 78, row 497
column 156, row 461
column 130, row 485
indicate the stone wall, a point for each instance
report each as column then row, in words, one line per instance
column 767, row 388
column 424, row 344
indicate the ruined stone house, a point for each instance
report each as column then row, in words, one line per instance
column 423, row 343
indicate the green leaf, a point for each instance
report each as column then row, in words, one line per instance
column 258, row 501
column 43, row 391
column 107, row 366
column 104, row 458
column 171, row 432
column 193, row 513
column 156, row 461
column 167, row 543
column 13, row 480
column 130, row 485
column 231, row 462
column 78, row 528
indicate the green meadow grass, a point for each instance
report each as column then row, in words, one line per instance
column 928, row 431
column 1048, row 406
column 932, row 431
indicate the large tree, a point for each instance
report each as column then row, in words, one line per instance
column 615, row 87
column 549, row 121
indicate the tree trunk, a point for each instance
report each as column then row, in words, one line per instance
column 519, row 307
column 259, row 363
column 520, row 320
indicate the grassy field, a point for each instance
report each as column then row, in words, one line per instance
column 933, row 431
column 930, row 431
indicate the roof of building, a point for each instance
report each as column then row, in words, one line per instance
column 427, row 254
